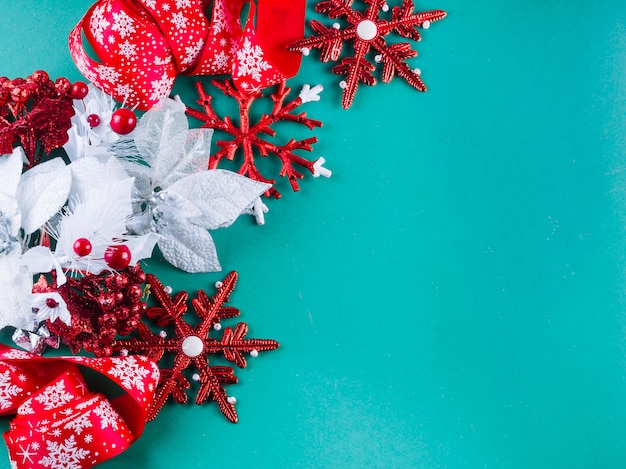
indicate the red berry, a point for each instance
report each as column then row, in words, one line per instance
column 123, row 121
column 122, row 312
column 51, row 303
column 79, row 90
column 117, row 257
column 93, row 120
column 134, row 292
column 82, row 247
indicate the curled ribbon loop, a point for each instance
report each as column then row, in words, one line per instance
column 142, row 45
column 59, row 422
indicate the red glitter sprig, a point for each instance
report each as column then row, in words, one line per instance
column 101, row 306
column 34, row 113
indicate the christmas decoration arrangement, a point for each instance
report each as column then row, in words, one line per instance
column 92, row 187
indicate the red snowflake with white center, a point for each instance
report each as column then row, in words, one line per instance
column 191, row 345
column 248, row 136
column 367, row 31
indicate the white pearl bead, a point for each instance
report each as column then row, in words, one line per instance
column 192, row 346
column 366, row 30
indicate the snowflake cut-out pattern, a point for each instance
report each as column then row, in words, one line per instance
column 191, row 345
column 54, row 396
column 66, row 455
column 248, row 136
column 129, row 372
column 7, row 390
column 367, row 31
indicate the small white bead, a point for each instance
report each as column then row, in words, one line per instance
column 231, row 400
column 336, row 25
column 217, row 326
column 218, row 284
column 417, row 71
column 195, row 377
column 426, row 24
column 343, row 84
column 305, row 51
column 192, row 346
column 254, row 353
column 124, row 352
column 162, row 334
column 366, row 30
column 385, row 7
column 378, row 58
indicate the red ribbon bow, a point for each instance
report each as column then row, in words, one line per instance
column 59, row 422
column 143, row 44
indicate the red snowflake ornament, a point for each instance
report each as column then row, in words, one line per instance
column 247, row 136
column 191, row 345
column 36, row 113
column 367, row 31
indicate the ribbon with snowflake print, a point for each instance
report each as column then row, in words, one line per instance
column 59, row 422
column 143, row 44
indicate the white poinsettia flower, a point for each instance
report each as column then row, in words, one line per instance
column 15, row 283
column 50, row 306
column 176, row 196
column 93, row 222
column 27, row 202
column 91, row 131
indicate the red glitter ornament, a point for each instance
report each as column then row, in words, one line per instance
column 51, row 303
column 248, row 136
column 101, row 306
column 191, row 345
column 123, row 121
column 118, row 256
column 82, row 247
column 367, row 31
column 34, row 113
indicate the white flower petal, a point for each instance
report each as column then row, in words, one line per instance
column 42, row 191
column 190, row 248
column 221, row 195
column 11, row 170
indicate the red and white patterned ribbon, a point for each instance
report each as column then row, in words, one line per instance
column 141, row 45
column 59, row 422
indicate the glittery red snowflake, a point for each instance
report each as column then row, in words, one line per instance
column 247, row 136
column 367, row 31
column 36, row 113
column 191, row 345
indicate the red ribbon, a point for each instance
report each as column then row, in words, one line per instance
column 143, row 44
column 59, row 422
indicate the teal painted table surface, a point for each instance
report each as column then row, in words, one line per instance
column 453, row 297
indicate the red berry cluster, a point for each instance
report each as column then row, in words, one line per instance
column 101, row 306
column 35, row 112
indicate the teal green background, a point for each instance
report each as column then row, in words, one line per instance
column 453, row 297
